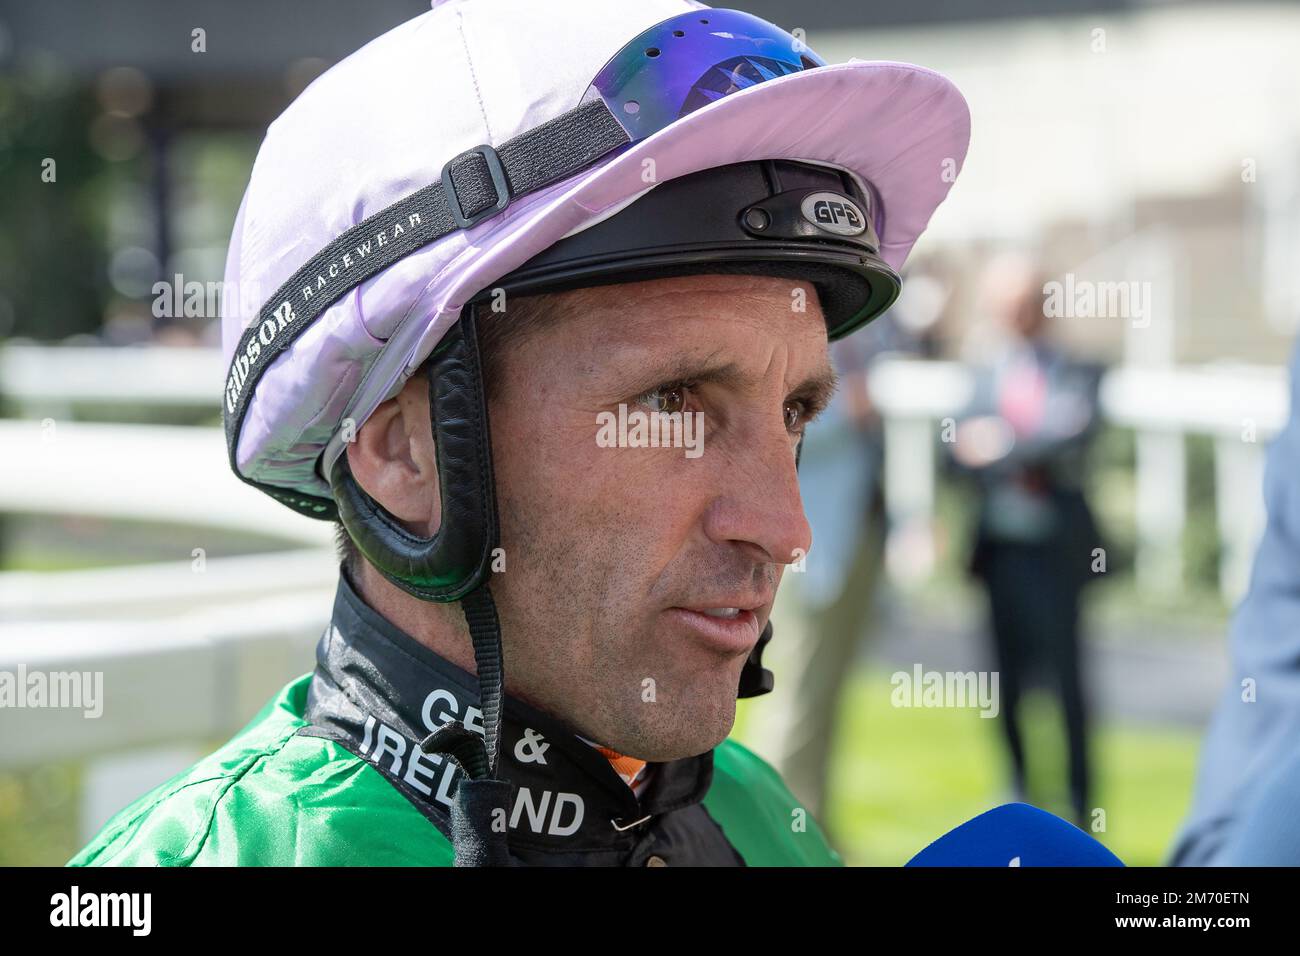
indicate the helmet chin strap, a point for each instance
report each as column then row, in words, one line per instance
column 481, row 808
column 452, row 565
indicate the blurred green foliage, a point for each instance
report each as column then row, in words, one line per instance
column 53, row 255
column 1201, row 548
column 39, row 814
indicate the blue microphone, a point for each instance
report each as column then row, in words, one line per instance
column 1015, row 834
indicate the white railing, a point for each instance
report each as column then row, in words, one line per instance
column 46, row 380
column 162, row 634
column 156, row 472
column 155, row 689
column 184, row 651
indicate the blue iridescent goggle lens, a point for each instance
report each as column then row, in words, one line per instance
column 690, row 60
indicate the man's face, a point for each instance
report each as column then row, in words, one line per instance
column 622, row 561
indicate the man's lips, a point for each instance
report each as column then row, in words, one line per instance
column 730, row 629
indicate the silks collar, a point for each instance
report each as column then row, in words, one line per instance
column 378, row 692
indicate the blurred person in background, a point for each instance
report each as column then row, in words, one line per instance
column 1022, row 441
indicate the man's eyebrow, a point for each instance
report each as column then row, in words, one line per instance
column 686, row 369
column 816, row 390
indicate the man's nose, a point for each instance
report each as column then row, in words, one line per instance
column 760, row 509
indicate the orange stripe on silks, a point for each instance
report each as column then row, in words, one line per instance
column 626, row 767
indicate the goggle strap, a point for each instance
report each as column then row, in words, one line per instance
column 473, row 192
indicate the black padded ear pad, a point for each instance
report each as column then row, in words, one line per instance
column 457, row 559
column 755, row 679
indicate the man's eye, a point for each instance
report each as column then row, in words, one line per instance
column 795, row 416
column 665, row 398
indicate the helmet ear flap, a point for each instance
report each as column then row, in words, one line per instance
column 755, row 679
column 457, row 558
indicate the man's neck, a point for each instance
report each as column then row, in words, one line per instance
column 439, row 627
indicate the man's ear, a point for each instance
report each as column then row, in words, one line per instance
column 394, row 459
